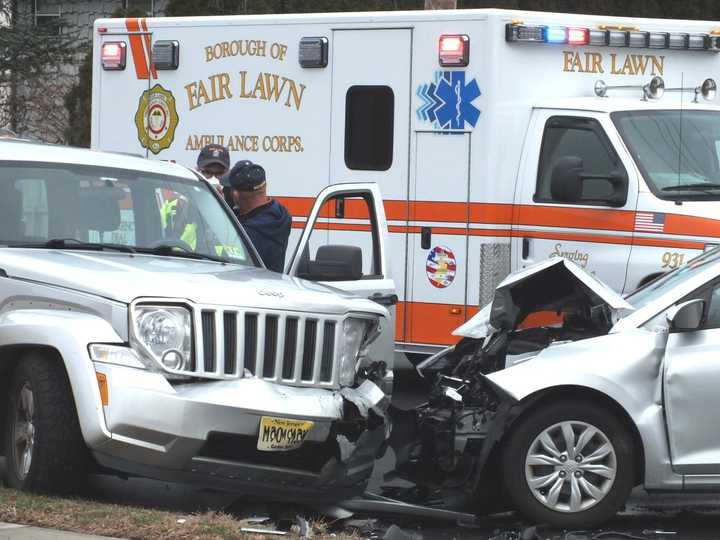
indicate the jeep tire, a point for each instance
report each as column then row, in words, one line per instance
column 44, row 449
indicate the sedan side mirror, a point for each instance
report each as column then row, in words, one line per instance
column 686, row 316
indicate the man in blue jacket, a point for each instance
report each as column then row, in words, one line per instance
column 266, row 221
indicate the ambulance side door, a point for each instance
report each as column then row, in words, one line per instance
column 349, row 267
column 575, row 197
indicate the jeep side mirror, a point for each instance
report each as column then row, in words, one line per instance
column 566, row 179
column 335, row 263
column 686, row 316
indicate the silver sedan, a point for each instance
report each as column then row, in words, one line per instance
column 562, row 396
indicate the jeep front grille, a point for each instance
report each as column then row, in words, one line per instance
column 286, row 348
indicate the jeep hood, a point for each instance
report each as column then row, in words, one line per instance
column 546, row 286
column 124, row 277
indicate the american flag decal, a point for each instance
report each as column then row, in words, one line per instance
column 649, row 222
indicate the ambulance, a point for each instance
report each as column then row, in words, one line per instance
column 497, row 138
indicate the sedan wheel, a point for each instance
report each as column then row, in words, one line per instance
column 570, row 464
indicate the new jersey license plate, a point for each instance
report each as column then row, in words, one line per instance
column 282, row 434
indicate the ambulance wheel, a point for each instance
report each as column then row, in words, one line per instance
column 44, row 449
column 570, row 464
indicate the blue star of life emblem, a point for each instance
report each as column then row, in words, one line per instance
column 448, row 101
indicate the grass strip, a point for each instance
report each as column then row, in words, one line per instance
column 120, row 521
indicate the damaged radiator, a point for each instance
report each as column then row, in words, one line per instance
column 286, row 348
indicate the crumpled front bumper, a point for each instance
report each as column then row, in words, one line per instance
column 206, row 433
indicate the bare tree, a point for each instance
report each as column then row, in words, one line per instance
column 38, row 58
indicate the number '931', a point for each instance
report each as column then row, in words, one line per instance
column 672, row 259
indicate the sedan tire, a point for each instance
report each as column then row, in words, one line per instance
column 570, row 464
column 44, row 448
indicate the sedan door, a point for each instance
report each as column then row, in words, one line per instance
column 692, row 392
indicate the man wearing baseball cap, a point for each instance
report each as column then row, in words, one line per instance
column 213, row 162
column 266, row 221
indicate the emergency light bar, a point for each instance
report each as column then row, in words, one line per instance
column 610, row 37
column 112, row 55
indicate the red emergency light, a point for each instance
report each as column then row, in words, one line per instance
column 578, row 36
column 113, row 55
column 454, row 50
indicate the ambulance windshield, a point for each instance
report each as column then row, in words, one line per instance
column 68, row 206
column 678, row 152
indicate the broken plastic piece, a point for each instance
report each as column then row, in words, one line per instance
column 263, row 531
column 396, row 533
column 304, row 528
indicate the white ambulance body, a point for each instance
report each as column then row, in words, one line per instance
column 484, row 167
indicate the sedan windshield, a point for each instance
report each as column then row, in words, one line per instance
column 678, row 152
column 83, row 207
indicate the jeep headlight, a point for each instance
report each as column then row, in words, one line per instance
column 165, row 334
column 355, row 332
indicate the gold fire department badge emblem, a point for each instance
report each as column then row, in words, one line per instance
column 156, row 119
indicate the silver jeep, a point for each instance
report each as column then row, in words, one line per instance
column 140, row 333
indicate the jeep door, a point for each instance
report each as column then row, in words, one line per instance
column 353, row 212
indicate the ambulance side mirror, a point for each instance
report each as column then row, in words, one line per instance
column 566, row 179
column 619, row 183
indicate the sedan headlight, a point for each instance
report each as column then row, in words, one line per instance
column 355, row 333
column 165, row 334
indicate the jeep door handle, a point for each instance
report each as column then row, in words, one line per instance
column 387, row 300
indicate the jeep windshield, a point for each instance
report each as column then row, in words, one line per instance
column 678, row 152
column 67, row 206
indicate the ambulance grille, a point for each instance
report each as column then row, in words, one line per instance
column 284, row 348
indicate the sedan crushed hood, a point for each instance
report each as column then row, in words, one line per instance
column 124, row 277
column 547, row 285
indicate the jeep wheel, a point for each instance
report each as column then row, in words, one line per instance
column 44, row 449
column 570, row 464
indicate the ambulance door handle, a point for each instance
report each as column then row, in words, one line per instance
column 525, row 248
column 425, row 237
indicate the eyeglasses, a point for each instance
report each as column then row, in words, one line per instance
column 209, row 173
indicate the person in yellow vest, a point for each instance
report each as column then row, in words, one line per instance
column 176, row 222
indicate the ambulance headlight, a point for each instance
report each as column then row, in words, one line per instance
column 165, row 334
